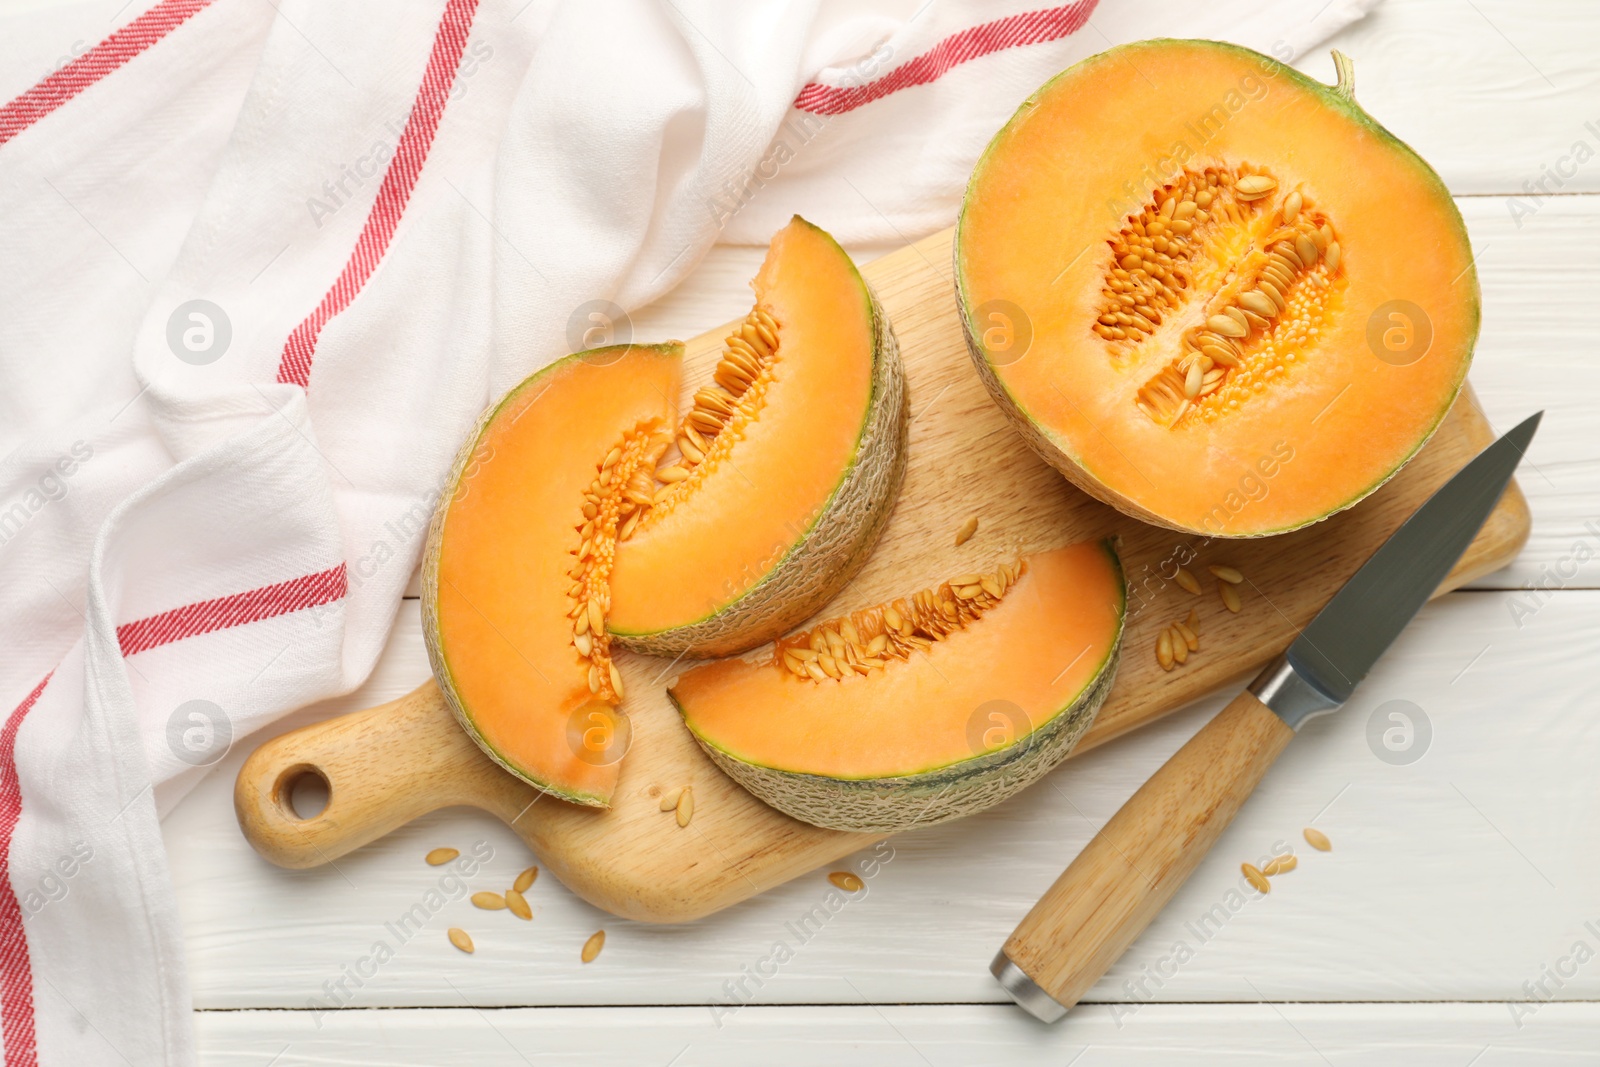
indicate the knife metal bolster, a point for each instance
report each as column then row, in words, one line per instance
column 1289, row 694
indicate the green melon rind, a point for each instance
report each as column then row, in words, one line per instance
column 927, row 798
column 430, row 578
column 834, row 546
column 1053, row 451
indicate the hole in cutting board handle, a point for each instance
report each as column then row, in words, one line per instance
column 303, row 792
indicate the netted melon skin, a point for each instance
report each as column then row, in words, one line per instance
column 889, row 805
column 837, row 543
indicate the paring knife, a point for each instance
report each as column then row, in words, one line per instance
column 1131, row 868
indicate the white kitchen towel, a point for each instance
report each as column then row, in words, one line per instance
column 263, row 263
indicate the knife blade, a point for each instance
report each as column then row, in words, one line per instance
column 1123, row 877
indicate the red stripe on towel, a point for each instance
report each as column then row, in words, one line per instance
column 236, row 610
column 294, row 366
column 17, row 1025
column 1033, row 27
column 109, row 55
column 16, row 970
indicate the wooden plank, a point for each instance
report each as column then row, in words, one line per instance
column 1537, row 350
column 1501, row 801
column 1490, row 92
column 1314, row 1035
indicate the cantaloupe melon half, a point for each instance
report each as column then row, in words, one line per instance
column 788, row 466
column 1214, row 292
column 929, row 708
column 507, row 583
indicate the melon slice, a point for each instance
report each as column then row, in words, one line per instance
column 925, row 709
column 1211, row 291
column 513, row 607
column 787, row 468
column 582, row 508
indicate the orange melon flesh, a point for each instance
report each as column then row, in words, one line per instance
column 498, row 583
column 1038, row 649
column 1086, row 153
column 689, row 561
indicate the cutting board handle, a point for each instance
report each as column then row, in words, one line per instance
column 383, row 767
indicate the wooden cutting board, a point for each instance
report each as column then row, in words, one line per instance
column 390, row 764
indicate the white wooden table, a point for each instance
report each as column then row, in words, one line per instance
column 1444, row 927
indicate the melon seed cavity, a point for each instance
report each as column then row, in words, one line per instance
column 1219, row 285
column 730, row 404
column 630, row 490
column 874, row 638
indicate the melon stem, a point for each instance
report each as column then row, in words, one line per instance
column 1345, row 68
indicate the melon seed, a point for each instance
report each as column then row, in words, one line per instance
column 968, row 528
column 685, row 806
column 517, row 904
column 1254, row 186
column 1254, row 876
column 1257, row 301
column 1230, row 597
column 1191, row 640
column 488, row 901
column 1180, row 649
column 1226, row 573
column 850, row 883
column 1164, row 650
column 441, row 856
column 1306, row 249
column 592, row 947
column 1188, row 581
column 1332, row 257
column 1291, row 207
column 1226, row 325
column 1279, row 865
column 1317, row 840
column 458, row 938
column 669, row 799
column 524, row 880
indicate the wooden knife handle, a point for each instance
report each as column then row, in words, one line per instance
column 1132, row 867
column 384, row 766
